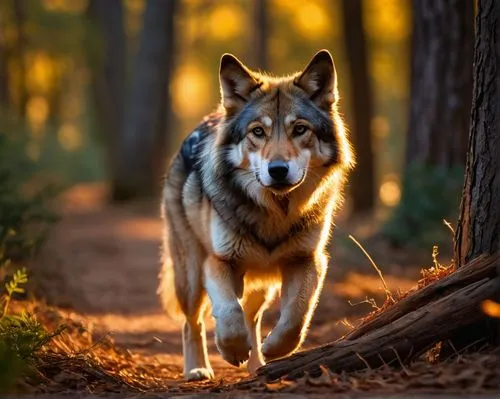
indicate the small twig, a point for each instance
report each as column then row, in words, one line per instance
column 405, row 370
column 364, row 361
column 367, row 300
column 346, row 323
column 97, row 343
column 386, row 288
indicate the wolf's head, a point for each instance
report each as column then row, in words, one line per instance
column 280, row 132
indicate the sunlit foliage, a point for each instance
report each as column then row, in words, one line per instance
column 49, row 85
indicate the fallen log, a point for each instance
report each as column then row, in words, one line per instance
column 406, row 329
column 481, row 267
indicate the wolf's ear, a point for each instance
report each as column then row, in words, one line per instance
column 319, row 80
column 236, row 82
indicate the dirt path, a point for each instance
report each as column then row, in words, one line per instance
column 102, row 262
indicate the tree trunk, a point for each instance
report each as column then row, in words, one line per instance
column 441, row 88
column 108, row 80
column 165, row 138
column 142, row 131
column 362, row 180
column 441, row 82
column 4, row 77
column 20, row 50
column 478, row 230
column 260, row 33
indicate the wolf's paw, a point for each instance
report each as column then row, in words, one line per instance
column 281, row 341
column 231, row 337
column 199, row 374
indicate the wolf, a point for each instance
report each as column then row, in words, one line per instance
column 248, row 206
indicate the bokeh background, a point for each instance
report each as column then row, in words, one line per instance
column 84, row 82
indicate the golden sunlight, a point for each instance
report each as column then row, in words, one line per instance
column 190, row 91
column 312, row 21
column 390, row 192
column 134, row 10
column 69, row 137
column 37, row 111
column 226, row 22
column 41, row 75
column 491, row 308
column 71, row 6
column 388, row 20
column 53, row 5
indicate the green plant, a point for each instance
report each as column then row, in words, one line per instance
column 21, row 337
column 23, row 222
column 430, row 194
column 12, row 287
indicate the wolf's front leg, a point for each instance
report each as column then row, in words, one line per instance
column 231, row 334
column 301, row 286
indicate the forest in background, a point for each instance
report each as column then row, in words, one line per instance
column 60, row 59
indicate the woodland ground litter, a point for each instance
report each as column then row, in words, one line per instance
column 99, row 269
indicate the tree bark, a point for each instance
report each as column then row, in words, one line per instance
column 260, row 31
column 441, row 82
column 362, row 180
column 108, row 80
column 479, row 222
column 478, row 228
column 406, row 329
column 144, row 112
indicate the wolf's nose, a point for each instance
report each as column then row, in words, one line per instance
column 278, row 170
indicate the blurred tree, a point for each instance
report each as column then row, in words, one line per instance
column 478, row 230
column 441, row 87
column 108, row 81
column 260, row 33
column 165, row 136
column 362, row 181
column 19, row 7
column 4, row 75
column 441, row 82
column 143, row 145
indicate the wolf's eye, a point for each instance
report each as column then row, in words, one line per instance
column 299, row 130
column 258, row 131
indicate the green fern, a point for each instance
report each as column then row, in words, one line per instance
column 14, row 287
column 21, row 337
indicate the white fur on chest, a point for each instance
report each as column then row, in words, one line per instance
column 252, row 256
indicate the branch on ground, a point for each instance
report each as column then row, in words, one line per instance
column 406, row 329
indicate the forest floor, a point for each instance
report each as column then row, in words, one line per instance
column 98, row 271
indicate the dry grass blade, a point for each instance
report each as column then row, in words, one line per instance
column 388, row 293
column 448, row 224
